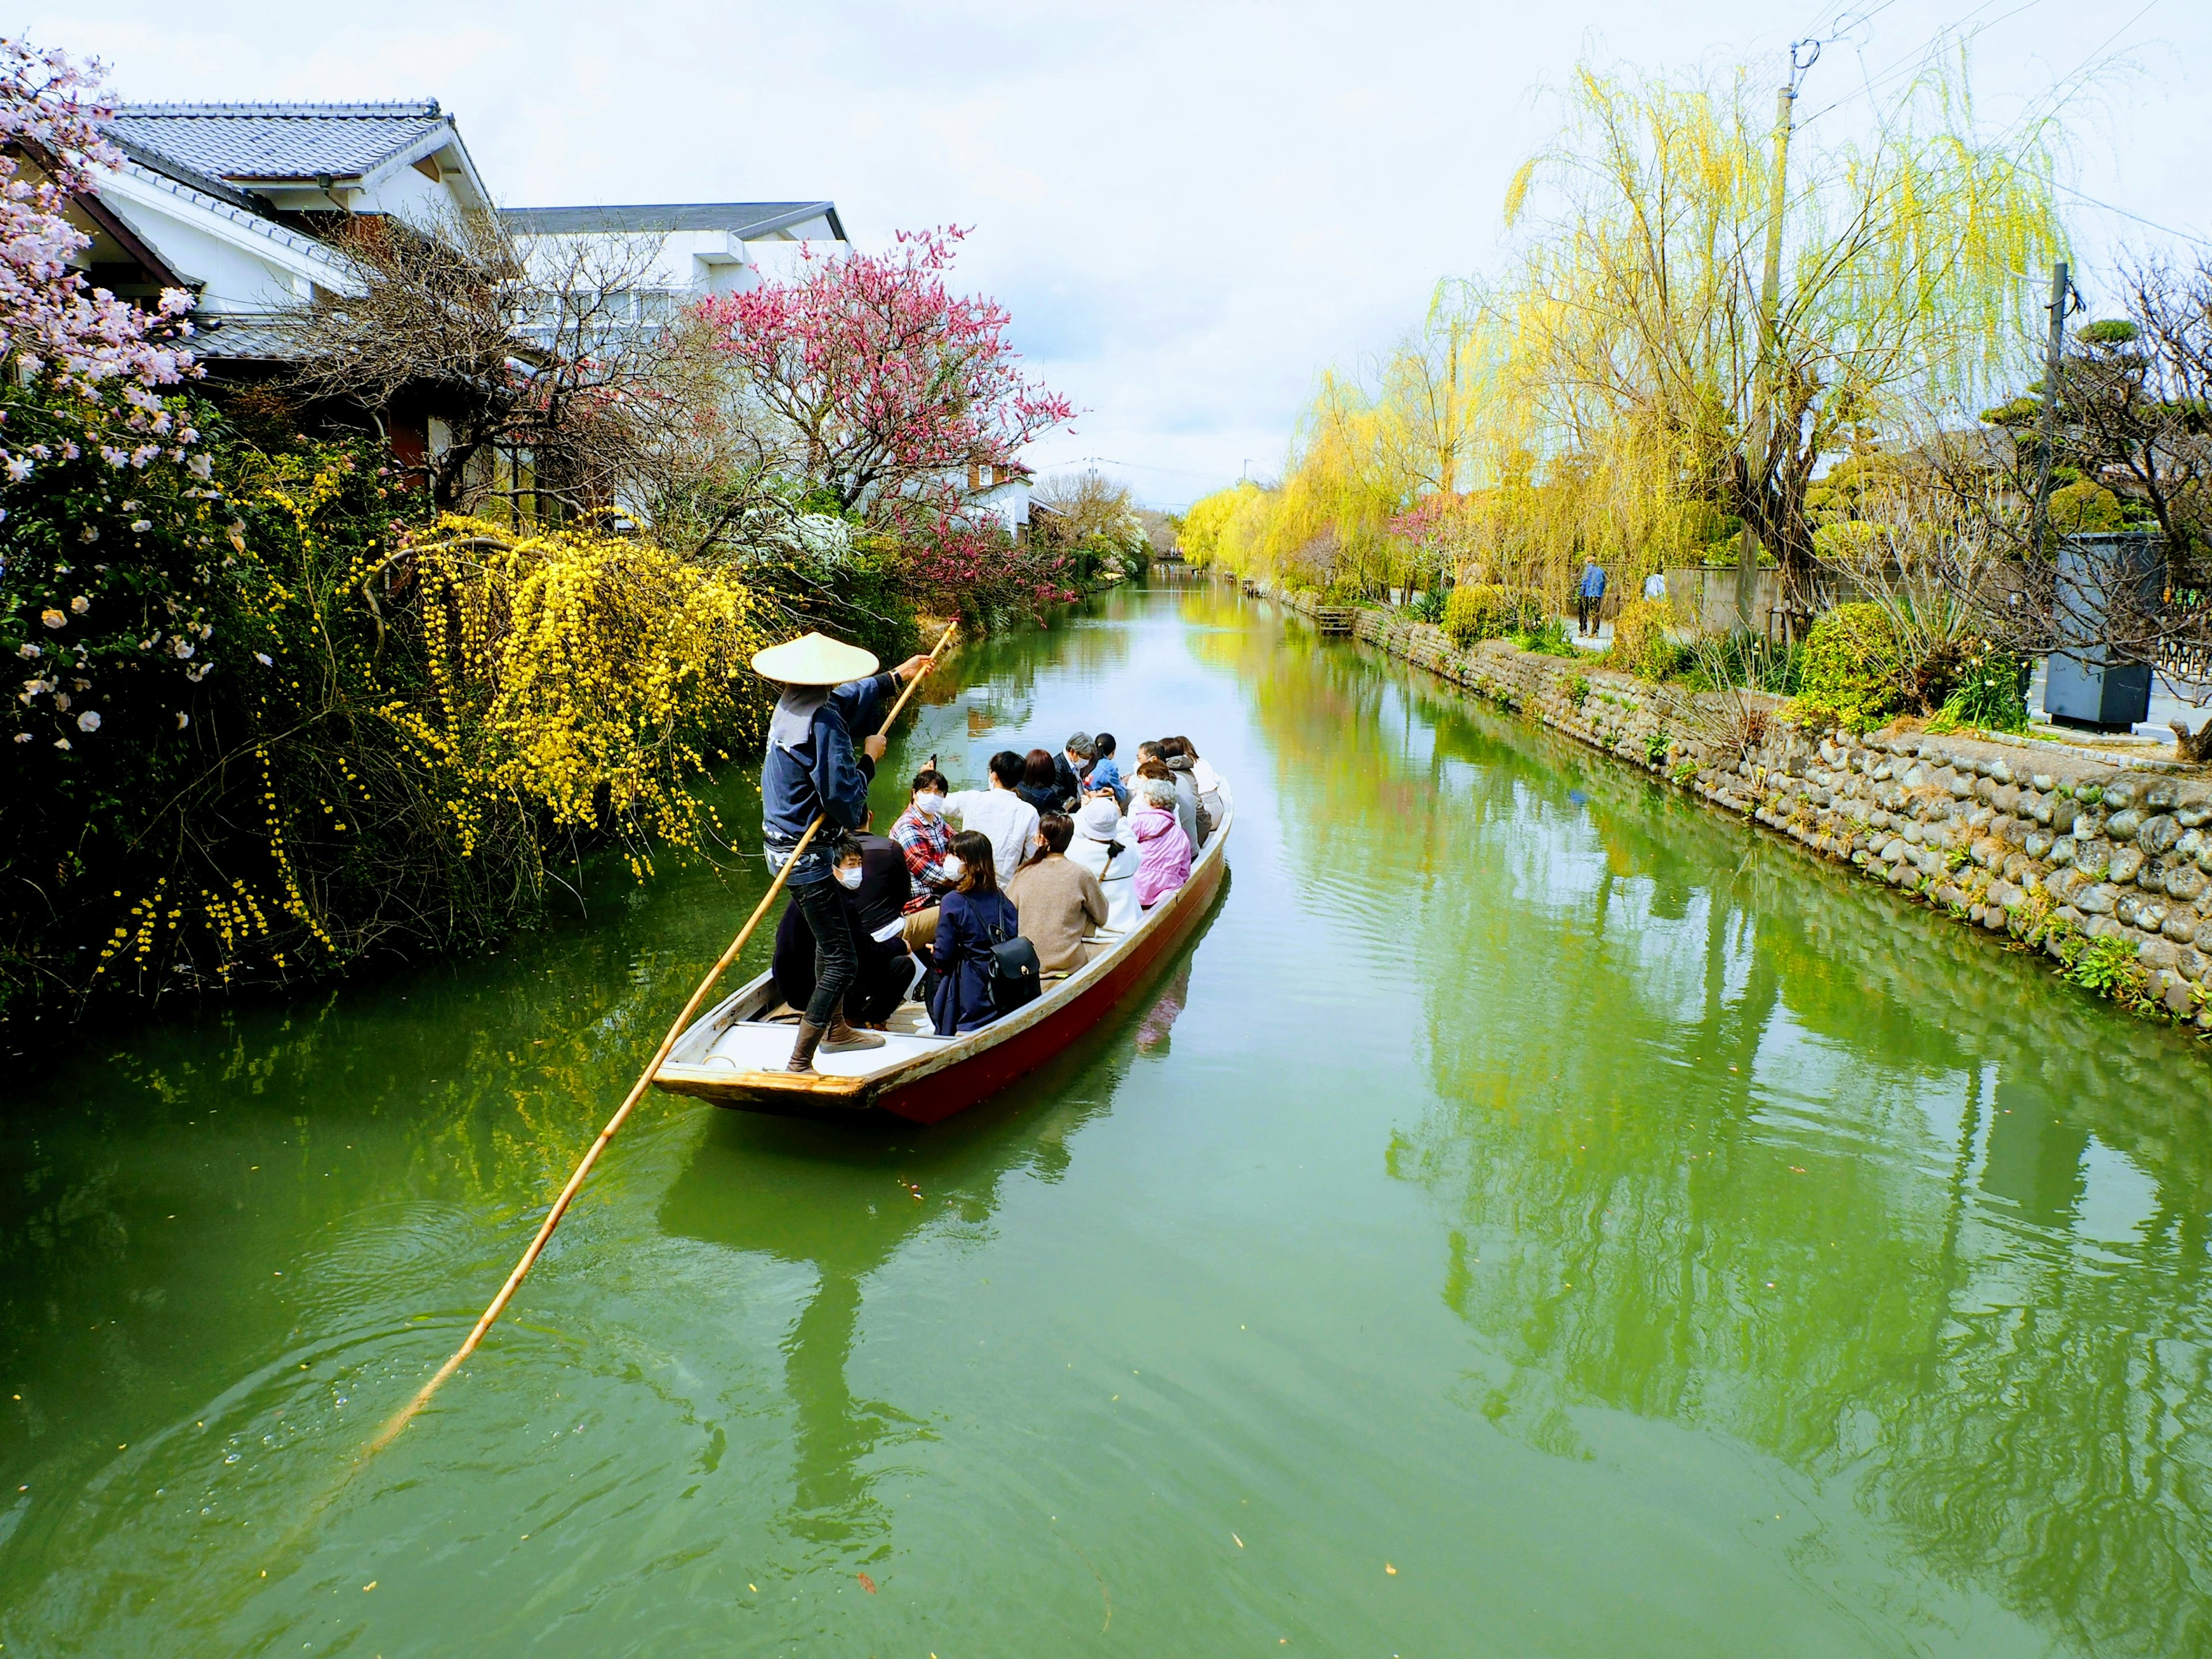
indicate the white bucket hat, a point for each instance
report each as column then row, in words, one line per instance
column 1098, row 820
column 814, row 659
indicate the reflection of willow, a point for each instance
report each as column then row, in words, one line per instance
column 1811, row 1269
column 838, row 1199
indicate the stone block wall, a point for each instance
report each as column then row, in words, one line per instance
column 2012, row 836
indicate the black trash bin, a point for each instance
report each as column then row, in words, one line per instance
column 2090, row 687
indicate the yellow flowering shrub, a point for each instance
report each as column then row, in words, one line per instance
column 580, row 675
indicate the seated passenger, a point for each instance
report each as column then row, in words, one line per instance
column 925, row 838
column 1057, row 900
column 1200, row 824
column 1040, row 784
column 1106, row 771
column 970, row 919
column 999, row 815
column 873, row 869
column 1184, row 803
column 1213, row 791
column 1105, row 846
column 1074, row 760
column 1163, row 855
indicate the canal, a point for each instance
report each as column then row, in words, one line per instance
column 1535, row 1216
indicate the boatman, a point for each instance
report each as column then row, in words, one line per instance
column 831, row 691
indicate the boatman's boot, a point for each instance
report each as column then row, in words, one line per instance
column 841, row 1037
column 802, row 1052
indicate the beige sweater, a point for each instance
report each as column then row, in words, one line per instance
column 1058, row 903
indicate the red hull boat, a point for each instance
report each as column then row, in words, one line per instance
column 734, row 1057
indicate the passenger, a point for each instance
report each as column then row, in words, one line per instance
column 1106, row 771
column 1058, row 901
column 970, row 919
column 1105, row 845
column 1075, row 757
column 1213, row 792
column 1200, row 824
column 1185, row 795
column 871, row 877
column 874, row 872
column 830, row 691
column 1040, row 784
column 1164, row 851
column 999, row 813
column 923, row 837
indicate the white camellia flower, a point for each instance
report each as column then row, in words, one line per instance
column 61, row 743
column 182, row 647
column 183, row 719
column 53, row 619
column 140, row 527
column 27, row 650
column 88, row 721
column 80, row 605
column 264, row 660
column 22, row 737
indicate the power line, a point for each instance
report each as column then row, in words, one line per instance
column 2185, row 235
column 1918, row 55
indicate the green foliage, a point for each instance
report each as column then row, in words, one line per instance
column 1990, row 696
column 1548, row 638
column 1850, row 672
column 1644, row 642
column 1578, row 690
column 1745, row 660
column 1486, row 610
column 1430, row 607
column 2108, row 966
column 1655, row 745
column 2112, row 331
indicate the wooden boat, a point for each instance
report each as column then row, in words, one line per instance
column 734, row 1055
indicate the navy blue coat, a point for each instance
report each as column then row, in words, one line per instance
column 821, row 776
column 962, row 1000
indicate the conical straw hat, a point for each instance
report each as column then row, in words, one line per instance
column 814, row 659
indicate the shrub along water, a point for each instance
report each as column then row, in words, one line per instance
column 273, row 718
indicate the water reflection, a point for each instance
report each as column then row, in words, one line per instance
column 1728, row 1141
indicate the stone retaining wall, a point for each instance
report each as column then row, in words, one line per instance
column 2012, row 837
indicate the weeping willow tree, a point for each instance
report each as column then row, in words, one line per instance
column 1624, row 390
column 1640, row 334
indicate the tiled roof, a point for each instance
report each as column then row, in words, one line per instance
column 748, row 218
column 257, row 143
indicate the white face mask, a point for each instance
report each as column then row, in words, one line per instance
column 931, row 806
column 952, row 868
column 849, row 876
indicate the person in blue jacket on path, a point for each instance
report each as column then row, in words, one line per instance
column 831, row 694
column 1589, row 598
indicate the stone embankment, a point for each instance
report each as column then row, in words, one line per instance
column 2014, row 837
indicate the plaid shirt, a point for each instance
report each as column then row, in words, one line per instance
column 925, row 841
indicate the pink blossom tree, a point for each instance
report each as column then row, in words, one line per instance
column 883, row 388
column 76, row 343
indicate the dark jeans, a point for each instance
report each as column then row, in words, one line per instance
column 1586, row 610
column 837, row 963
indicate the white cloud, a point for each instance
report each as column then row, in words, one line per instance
column 1190, row 208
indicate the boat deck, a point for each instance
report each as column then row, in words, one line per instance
column 764, row 1045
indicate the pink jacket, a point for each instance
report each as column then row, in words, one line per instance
column 1163, row 854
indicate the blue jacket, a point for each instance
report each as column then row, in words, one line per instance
column 1593, row 585
column 961, row 956
column 821, row 776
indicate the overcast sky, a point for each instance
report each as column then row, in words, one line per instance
column 1189, row 208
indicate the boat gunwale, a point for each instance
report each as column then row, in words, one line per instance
column 727, row 1086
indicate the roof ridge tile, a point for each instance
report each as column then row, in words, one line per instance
column 426, row 106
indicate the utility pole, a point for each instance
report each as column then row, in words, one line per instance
column 1759, row 444
column 2047, row 440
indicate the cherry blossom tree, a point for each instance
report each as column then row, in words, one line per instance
column 884, row 389
column 71, row 344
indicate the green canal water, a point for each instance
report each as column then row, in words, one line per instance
column 1534, row 1217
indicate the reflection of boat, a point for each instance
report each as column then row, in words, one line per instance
column 734, row 1057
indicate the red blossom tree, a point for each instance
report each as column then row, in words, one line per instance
column 882, row 387
column 56, row 330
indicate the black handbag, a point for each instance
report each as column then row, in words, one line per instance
column 1016, row 976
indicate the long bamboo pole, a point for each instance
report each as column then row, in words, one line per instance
column 407, row 1414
